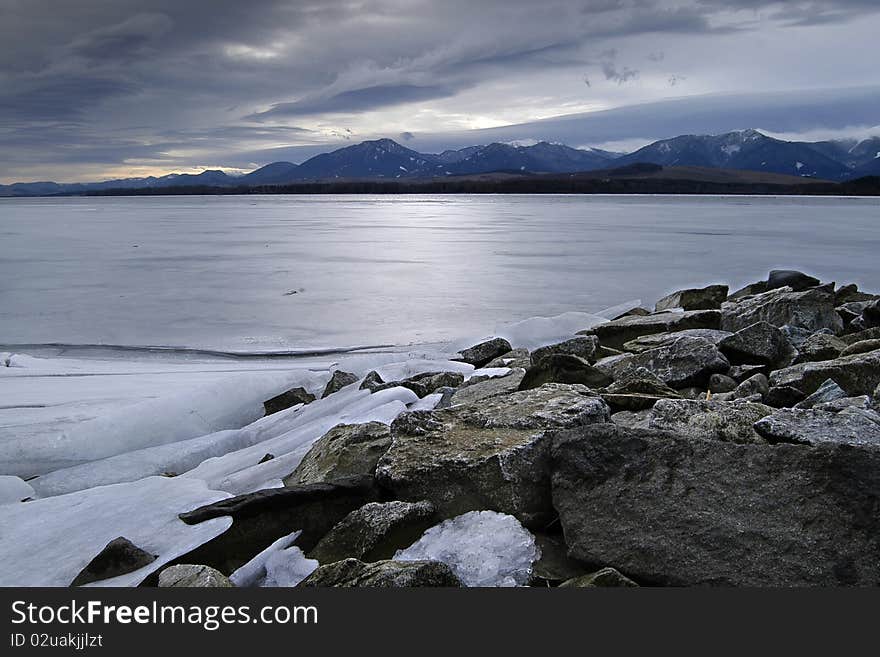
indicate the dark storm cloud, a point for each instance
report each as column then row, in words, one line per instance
column 170, row 82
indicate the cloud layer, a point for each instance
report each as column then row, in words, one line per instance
column 94, row 89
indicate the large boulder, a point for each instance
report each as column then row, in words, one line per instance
column 563, row 368
column 815, row 427
column 646, row 342
column 288, row 399
column 491, row 455
column 672, row 510
column 796, row 280
column 858, row 374
column 705, row 298
column 758, row 343
column 819, row 346
column 712, row 420
column 193, row 576
column 583, row 346
column 375, row 531
column 470, row 393
column 338, row 381
column 351, row 573
column 480, row 354
column 347, row 450
column 262, row 517
column 812, row 309
column 685, row 362
column 617, row 332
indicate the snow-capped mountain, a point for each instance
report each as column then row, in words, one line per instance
column 745, row 149
column 382, row 158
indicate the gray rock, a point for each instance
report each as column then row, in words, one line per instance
column 828, row 391
column 640, row 419
column 347, row 450
column 482, row 353
column 706, row 298
column 287, row 400
column 424, row 384
column 563, row 368
column 671, row 510
column 812, row 310
column 491, row 387
column 742, row 372
column 754, row 385
column 617, row 332
column 375, row 531
column 783, row 396
column 758, row 343
column 514, row 358
column 819, row 346
column 260, row 518
column 635, row 311
column 797, row 281
column 119, row 556
column 351, row 573
column 861, row 347
column 492, row 455
column 604, row 577
column 711, row 420
column 868, row 334
column 858, row 374
column 748, row 291
column 722, row 383
column 637, row 390
column 813, row 427
column 372, row 381
column 797, row 335
column 870, row 317
column 848, row 293
column 646, row 342
column 193, row 576
column 844, row 403
column 583, row 346
column 685, row 362
column 338, row 381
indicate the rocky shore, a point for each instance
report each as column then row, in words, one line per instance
column 717, row 439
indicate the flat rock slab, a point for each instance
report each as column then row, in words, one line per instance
column 712, row 420
column 816, row 427
column 492, row 455
column 670, row 510
column 615, row 333
column 492, row 387
column 351, row 573
column 858, row 374
column 655, row 340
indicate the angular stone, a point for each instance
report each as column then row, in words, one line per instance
column 646, row 342
column 554, row 564
column 583, row 346
column 796, row 280
column 712, row 420
column 868, row 334
column 677, row 511
column 861, row 347
column 193, row 576
column 119, row 556
column 782, row 396
column 640, row 419
column 423, row 384
column 636, row 311
column 685, row 362
column 470, row 393
column 870, row 317
column 347, row 450
column 338, row 381
column 514, row 358
column 638, row 390
column 819, row 346
column 721, row 383
column 482, row 353
column 375, row 531
column 749, row 290
column 604, row 577
column 706, row 298
column 848, row 293
column 812, row 310
column 742, row 372
column 758, row 343
column 844, row 403
column 372, row 381
column 814, row 427
column 262, row 517
column 287, row 400
column 563, row 368
column 492, row 455
column 828, row 391
column 754, row 385
column 351, row 573
column 615, row 333
column 858, row 374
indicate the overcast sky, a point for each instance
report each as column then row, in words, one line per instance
column 92, row 89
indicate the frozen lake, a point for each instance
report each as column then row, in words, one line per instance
column 219, row 272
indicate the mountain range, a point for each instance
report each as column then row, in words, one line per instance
column 747, row 150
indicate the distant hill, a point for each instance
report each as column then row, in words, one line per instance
column 384, row 159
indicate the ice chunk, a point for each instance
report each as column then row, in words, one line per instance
column 540, row 331
column 426, row 403
column 14, row 489
column 483, row 548
column 280, row 564
column 48, row 542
